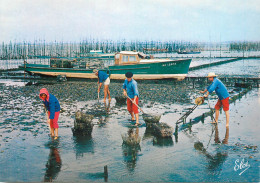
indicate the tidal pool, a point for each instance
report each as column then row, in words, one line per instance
column 199, row 153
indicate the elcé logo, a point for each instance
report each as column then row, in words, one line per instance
column 241, row 166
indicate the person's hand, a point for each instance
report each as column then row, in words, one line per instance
column 125, row 94
column 134, row 101
column 202, row 92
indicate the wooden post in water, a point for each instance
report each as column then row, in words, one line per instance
column 105, row 173
column 190, row 125
column 203, row 117
column 176, row 133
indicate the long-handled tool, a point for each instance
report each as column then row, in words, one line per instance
column 148, row 118
column 211, row 112
column 198, row 101
column 98, row 93
column 135, row 104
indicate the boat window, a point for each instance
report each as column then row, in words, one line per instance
column 125, row 58
column 132, row 58
column 117, row 56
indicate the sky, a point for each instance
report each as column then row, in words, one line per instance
column 163, row 20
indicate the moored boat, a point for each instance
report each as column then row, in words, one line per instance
column 125, row 61
column 143, row 68
column 188, row 52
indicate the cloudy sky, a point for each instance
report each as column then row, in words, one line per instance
column 76, row 20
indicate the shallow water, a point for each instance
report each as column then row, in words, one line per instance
column 200, row 61
column 197, row 154
column 241, row 68
column 15, row 63
column 223, row 53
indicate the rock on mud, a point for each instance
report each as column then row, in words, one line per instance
column 162, row 130
column 151, row 118
column 61, row 78
column 120, row 100
column 82, row 124
column 97, row 110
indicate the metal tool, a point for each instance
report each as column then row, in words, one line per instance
column 198, row 101
column 152, row 118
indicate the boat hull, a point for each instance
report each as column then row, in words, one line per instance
column 190, row 52
column 177, row 69
column 68, row 72
column 150, row 76
column 143, row 71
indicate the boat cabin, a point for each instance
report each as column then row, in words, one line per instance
column 128, row 57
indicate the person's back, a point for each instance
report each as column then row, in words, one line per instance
column 53, row 103
column 102, row 76
column 131, row 88
column 219, row 87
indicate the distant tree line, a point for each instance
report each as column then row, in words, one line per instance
column 244, row 46
column 13, row 50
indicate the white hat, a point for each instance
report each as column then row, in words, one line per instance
column 211, row 74
column 95, row 70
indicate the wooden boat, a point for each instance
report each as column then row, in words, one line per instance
column 96, row 52
column 188, row 52
column 125, row 61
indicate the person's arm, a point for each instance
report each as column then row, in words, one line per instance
column 124, row 92
column 135, row 99
column 124, row 89
column 99, row 86
column 52, row 109
column 46, row 111
column 203, row 91
column 135, row 92
column 98, row 77
column 206, row 95
column 212, row 87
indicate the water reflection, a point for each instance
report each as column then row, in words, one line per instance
column 120, row 101
column 131, row 148
column 53, row 165
column 103, row 119
column 225, row 140
column 107, row 107
column 157, row 140
column 83, row 145
column 148, row 134
column 215, row 161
